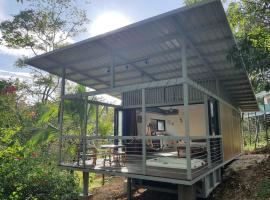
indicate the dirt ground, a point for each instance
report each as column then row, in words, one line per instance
column 246, row 178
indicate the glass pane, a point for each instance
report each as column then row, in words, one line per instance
column 161, row 125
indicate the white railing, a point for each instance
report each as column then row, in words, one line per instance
column 165, row 156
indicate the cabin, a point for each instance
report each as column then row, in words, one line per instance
column 179, row 120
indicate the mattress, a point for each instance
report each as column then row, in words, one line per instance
column 174, row 163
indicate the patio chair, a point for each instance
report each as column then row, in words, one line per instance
column 90, row 153
column 117, row 156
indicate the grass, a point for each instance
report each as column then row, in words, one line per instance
column 263, row 189
column 95, row 180
column 251, row 146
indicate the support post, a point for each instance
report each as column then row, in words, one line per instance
column 186, row 192
column 256, row 130
column 207, row 131
column 85, row 184
column 265, row 124
column 249, row 130
column 186, row 107
column 96, row 128
column 129, row 189
column 242, row 132
column 84, row 130
column 112, row 72
column 61, row 115
column 143, row 133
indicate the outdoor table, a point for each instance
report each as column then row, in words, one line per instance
column 111, row 152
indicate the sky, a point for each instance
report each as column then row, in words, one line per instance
column 103, row 15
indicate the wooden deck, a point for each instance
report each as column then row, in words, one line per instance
column 133, row 165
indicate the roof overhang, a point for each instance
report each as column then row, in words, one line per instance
column 149, row 50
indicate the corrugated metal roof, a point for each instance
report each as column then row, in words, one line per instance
column 150, row 50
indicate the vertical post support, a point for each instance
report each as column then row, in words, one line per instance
column 265, row 124
column 129, row 189
column 61, row 115
column 242, row 131
column 186, row 192
column 84, row 130
column 256, row 130
column 249, row 130
column 85, row 184
column 186, row 107
column 207, row 131
column 143, row 133
column 96, row 128
column 112, row 72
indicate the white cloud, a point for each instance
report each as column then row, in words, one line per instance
column 15, row 52
column 108, row 21
column 3, row 15
column 23, row 76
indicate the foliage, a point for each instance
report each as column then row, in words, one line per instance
column 106, row 121
column 45, row 26
column 251, row 26
column 250, row 22
column 9, row 102
column 191, row 2
column 28, row 135
column 27, row 174
column 263, row 189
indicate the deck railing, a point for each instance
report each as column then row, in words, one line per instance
column 160, row 156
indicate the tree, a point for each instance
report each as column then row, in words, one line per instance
column 250, row 23
column 191, row 2
column 45, row 26
column 249, row 20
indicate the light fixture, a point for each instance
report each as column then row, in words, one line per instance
column 146, row 61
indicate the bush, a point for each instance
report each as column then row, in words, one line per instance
column 25, row 174
column 32, row 178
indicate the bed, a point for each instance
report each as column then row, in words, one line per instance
column 174, row 163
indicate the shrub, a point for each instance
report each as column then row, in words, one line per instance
column 25, row 174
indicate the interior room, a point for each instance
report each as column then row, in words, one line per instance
column 169, row 120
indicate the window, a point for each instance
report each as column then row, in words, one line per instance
column 160, row 125
column 213, row 117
